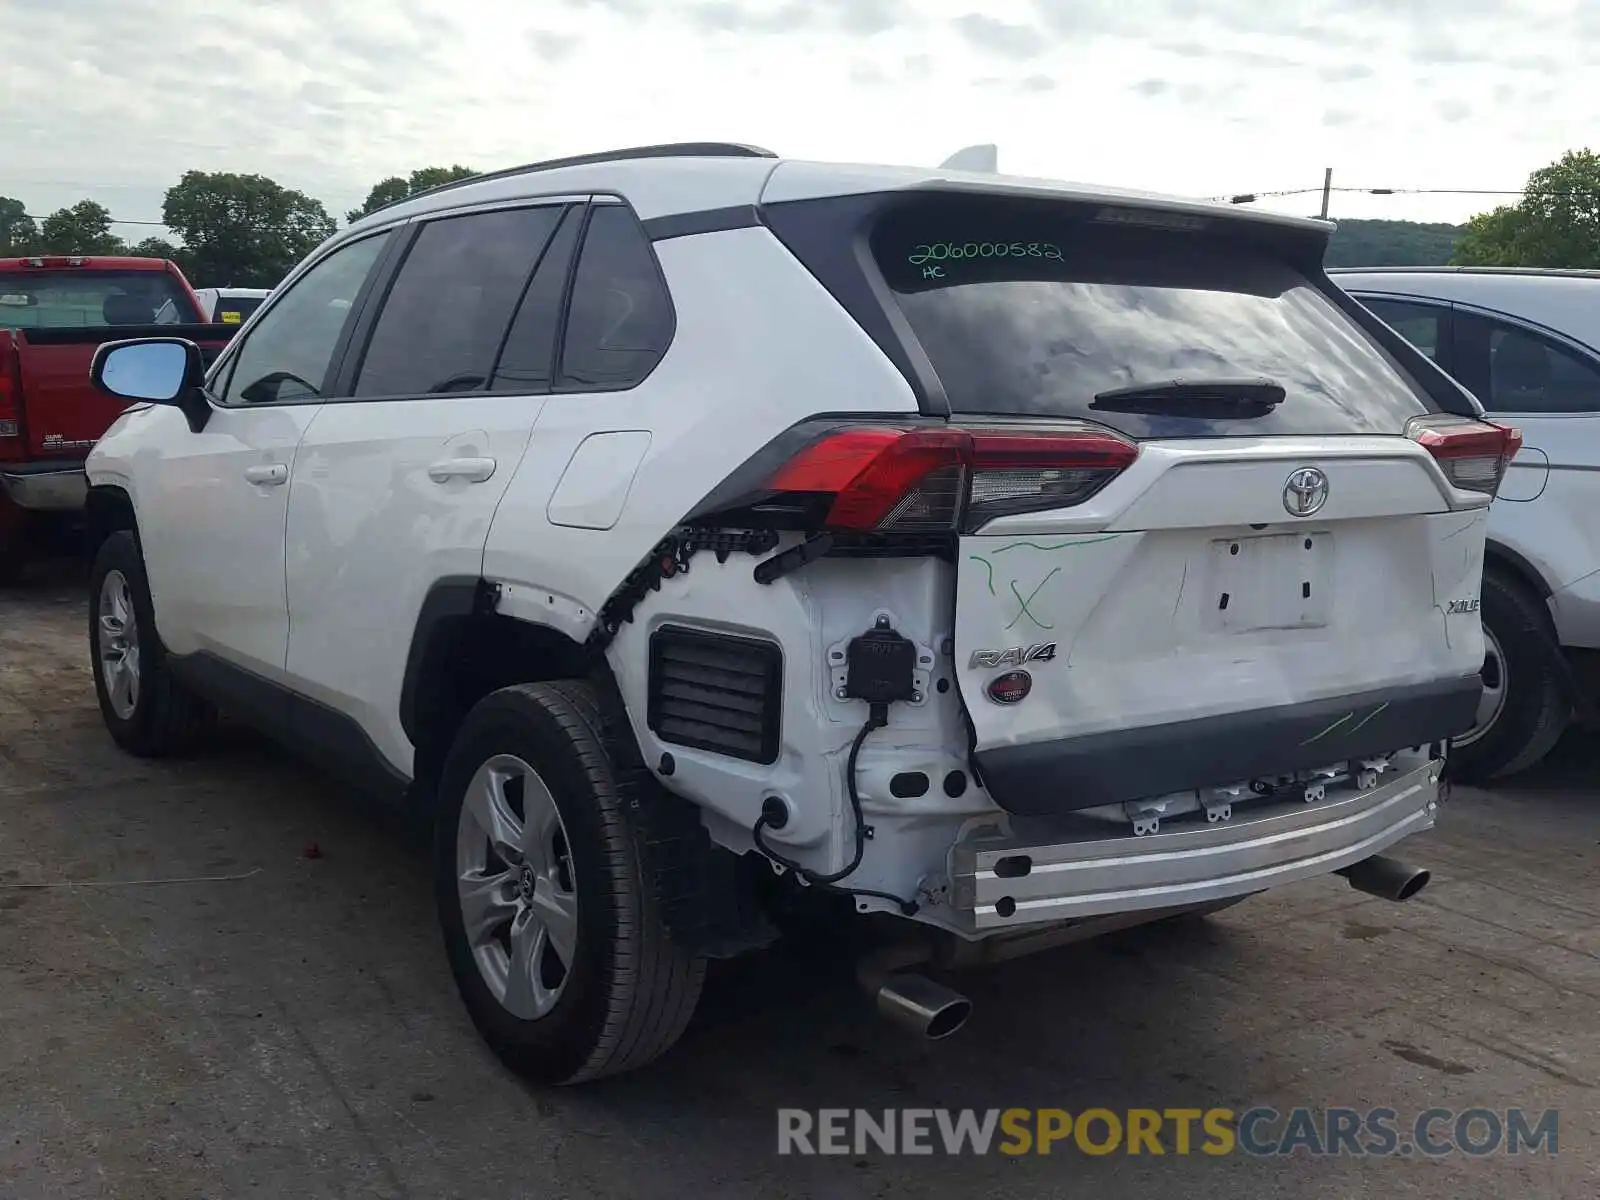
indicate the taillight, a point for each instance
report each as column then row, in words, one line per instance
column 1027, row 471
column 881, row 478
column 1473, row 454
column 10, row 422
column 894, row 480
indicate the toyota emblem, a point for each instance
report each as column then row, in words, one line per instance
column 1305, row 492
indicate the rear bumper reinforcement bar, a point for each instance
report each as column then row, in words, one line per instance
column 1006, row 881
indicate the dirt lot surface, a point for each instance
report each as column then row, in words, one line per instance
column 222, row 979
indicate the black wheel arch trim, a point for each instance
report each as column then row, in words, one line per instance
column 450, row 597
column 104, row 505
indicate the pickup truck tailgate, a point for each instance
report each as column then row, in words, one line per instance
column 65, row 416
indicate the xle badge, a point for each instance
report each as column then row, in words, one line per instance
column 1462, row 606
column 1013, row 656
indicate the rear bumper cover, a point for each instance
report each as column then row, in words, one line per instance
column 1138, row 764
column 1025, row 878
column 55, row 485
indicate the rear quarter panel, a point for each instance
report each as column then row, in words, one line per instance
column 759, row 346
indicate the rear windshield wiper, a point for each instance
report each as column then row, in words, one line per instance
column 1218, row 399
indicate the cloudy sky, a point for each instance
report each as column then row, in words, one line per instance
column 114, row 99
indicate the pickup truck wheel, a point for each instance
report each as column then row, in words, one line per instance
column 1525, row 707
column 15, row 543
column 551, row 925
column 146, row 710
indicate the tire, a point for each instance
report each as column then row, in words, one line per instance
column 606, row 989
column 155, row 717
column 16, row 543
column 1526, row 706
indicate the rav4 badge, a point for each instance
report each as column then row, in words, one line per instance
column 1013, row 656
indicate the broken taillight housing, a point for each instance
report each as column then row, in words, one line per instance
column 881, row 479
column 1473, row 454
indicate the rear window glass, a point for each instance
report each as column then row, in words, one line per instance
column 232, row 310
column 1024, row 311
column 65, row 299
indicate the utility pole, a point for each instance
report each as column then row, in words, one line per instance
column 1327, row 190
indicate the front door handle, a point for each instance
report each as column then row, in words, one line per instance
column 473, row 470
column 269, row 474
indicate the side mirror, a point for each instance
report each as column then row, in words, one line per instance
column 154, row 371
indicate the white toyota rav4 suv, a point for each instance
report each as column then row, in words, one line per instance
column 688, row 532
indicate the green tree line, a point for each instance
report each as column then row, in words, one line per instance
column 234, row 230
column 1392, row 244
column 248, row 230
column 1555, row 223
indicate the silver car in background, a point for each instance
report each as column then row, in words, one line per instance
column 1527, row 344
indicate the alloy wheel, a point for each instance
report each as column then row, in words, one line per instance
column 117, row 639
column 1493, row 700
column 515, row 884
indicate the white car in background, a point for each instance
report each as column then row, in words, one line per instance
column 1527, row 344
column 230, row 306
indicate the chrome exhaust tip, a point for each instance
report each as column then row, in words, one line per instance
column 926, row 1008
column 1386, row 878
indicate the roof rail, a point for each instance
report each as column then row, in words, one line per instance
column 1568, row 272
column 665, row 150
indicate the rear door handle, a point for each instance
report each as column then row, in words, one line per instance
column 473, row 470
column 271, row 474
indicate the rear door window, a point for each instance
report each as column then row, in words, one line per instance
column 1531, row 374
column 447, row 313
column 1034, row 310
column 620, row 318
column 528, row 358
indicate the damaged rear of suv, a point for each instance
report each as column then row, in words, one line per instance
column 999, row 561
column 1163, row 597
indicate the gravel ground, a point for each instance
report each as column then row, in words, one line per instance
column 277, row 1019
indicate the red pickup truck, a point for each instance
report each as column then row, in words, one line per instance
column 54, row 311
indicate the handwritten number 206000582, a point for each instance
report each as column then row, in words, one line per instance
column 941, row 251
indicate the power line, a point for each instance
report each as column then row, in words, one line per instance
column 83, row 183
column 1251, row 197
